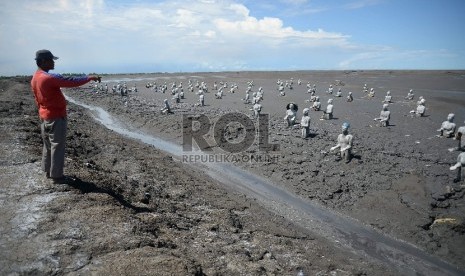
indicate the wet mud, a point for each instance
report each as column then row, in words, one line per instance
column 311, row 216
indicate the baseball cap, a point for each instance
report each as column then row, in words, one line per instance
column 45, row 54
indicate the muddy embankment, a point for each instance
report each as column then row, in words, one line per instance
column 399, row 181
column 134, row 210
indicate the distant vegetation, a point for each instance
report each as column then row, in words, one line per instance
column 17, row 76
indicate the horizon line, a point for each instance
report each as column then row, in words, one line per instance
column 251, row 70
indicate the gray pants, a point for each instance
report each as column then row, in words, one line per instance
column 53, row 153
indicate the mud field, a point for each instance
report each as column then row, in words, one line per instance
column 135, row 209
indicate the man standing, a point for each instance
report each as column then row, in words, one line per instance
column 52, row 112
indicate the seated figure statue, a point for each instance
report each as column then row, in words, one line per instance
column 384, row 116
column 448, row 127
column 344, row 143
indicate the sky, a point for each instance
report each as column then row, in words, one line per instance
column 142, row 36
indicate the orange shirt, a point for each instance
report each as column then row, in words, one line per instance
column 48, row 95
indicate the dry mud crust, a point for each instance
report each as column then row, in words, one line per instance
column 134, row 211
column 399, row 181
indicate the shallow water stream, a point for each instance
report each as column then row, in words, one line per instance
column 342, row 230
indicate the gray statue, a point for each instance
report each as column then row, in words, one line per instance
column 384, row 116
column 305, row 123
column 448, row 127
column 458, row 166
column 344, row 143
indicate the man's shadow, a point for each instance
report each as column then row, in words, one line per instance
column 88, row 187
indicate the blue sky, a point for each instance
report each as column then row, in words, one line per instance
column 106, row 36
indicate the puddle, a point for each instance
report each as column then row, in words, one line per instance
column 315, row 218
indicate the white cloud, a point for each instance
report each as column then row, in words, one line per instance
column 359, row 58
column 185, row 18
column 294, row 2
column 383, row 57
column 199, row 35
column 210, row 34
column 362, row 4
column 271, row 28
column 239, row 9
column 85, row 8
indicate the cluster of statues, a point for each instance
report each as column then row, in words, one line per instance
column 100, row 88
column 449, row 129
column 177, row 90
column 119, row 88
column 157, row 88
column 344, row 140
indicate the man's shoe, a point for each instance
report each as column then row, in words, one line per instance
column 63, row 180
